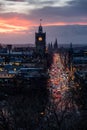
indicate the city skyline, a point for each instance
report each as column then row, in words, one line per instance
column 62, row 19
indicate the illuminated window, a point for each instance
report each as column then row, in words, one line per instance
column 14, row 69
column 17, row 63
column 1, row 69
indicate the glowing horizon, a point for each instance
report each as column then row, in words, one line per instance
column 20, row 25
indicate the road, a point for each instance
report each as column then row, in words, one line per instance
column 62, row 109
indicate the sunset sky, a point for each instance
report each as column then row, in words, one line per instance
column 65, row 20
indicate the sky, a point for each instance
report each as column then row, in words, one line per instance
column 65, row 20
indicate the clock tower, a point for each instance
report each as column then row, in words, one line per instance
column 40, row 41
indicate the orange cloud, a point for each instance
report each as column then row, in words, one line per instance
column 65, row 23
column 55, row 24
column 20, row 25
column 14, row 25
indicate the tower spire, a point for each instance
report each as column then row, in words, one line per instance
column 40, row 21
column 40, row 29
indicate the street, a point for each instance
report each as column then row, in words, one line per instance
column 62, row 108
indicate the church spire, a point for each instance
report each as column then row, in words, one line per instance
column 40, row 21
column 40, row 29
column 56, row 44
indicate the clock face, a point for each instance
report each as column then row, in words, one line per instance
column 40, row 38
